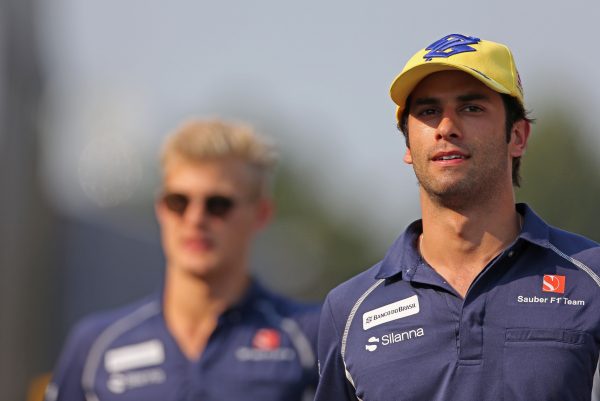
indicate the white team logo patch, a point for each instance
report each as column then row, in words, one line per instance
column 141, row 355
column 397, row 310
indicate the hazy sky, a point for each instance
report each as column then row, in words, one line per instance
column 313, row 74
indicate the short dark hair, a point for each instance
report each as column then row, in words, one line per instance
column 514, row 110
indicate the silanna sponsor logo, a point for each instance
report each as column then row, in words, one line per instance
column 387, row 313
column 373, row 343
column 118, row 383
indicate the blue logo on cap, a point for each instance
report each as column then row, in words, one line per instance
column 450, row 45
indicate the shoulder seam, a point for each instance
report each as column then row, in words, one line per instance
column 117, row 328
column 349, row 322
column 579, row 264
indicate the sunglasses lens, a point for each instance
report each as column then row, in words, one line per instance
column 219, row 206
column 176, row 203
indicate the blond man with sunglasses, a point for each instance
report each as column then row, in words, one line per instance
column 214, row 333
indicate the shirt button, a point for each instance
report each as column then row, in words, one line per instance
column 511, row 254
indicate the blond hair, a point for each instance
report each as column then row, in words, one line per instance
column 199, row 140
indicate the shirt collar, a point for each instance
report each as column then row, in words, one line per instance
column 403, row 256
column 255, row 292
column 534, row 230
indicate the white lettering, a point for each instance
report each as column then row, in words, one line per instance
column 575, row 302
column 533, row 299
column 120, row 382
column 551, row 300
column 396, row 310
column 134, row 356
column 392, row 338
column 252, row 354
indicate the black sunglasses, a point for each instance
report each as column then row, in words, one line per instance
column 215, row 205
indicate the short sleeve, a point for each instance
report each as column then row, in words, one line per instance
column 333, row 384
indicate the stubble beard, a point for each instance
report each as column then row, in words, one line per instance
column 473, row 188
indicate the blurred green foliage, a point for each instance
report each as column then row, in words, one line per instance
column 561, row 176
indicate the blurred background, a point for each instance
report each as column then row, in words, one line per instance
column 88, row 90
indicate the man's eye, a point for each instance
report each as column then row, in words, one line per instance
column 427, row 112
column 472, row 109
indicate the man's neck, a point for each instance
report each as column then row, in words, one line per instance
column 459, row 244
column 192, row 306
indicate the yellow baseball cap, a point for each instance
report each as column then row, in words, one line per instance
column 490, row 62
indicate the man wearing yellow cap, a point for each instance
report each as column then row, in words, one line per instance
column 480, row 299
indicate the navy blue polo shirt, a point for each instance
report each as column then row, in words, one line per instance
column 528, row 328
column 262, row 349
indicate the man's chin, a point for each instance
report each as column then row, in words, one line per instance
column 459, row 197
column 200, row 270
column 444, row 190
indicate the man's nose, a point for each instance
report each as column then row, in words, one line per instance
column 447, row 128
column 195, row 213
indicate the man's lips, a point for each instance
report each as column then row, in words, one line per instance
column 453, row 156
column 198, row 243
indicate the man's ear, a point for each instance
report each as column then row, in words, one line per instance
column 519, row 136
column 408, row 156
column 265, row 212
column 159, row 211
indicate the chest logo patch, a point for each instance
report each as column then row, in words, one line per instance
column 265, row 347
column 266, row 339
column 553, row 283
column 387, row 313
column 141, row 355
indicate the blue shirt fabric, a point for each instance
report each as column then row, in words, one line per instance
column 262, row 349
column 528, row 328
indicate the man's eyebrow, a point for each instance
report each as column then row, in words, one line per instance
column 432, row 101
column 426, row 101
column 472, row 96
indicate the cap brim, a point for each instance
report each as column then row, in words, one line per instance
column 406, row 82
